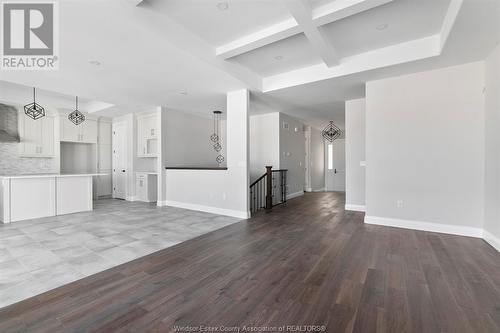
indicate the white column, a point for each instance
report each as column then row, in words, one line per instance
column 238, row 146
column 161, row 113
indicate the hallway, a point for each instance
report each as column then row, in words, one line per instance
column 306, row 263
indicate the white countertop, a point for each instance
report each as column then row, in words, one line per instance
column 53, row 175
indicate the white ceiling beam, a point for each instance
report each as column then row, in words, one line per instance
column 302, row 12
column 258, row 39
column 324, row 14
column 135, row 2
column 339, row 9
column 449, row 20
column 388, row 56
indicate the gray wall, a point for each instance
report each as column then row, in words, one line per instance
column 264, row 143
column 425, row 146
column 292, row 152
column 187, row 140
column 492, row 167
column 355, row 152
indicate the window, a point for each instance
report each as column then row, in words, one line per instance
column 330, row 157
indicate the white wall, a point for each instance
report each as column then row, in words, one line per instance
column 292, row 153
column 222, row 192
column 317, row 160
column 425, row 147
column 492, row 138
column 355, row 111
column 187, row 139
column 264, row 143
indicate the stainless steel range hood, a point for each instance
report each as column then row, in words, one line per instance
column 8, row 124
column 6, row 137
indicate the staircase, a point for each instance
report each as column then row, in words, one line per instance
column 268, row 190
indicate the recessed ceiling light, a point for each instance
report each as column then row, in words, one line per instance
column 382, row 26
column 278, row 57
column 183, row 93
column 222, row 5
column 95, row 63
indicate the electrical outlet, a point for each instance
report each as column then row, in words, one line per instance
column 399, row 203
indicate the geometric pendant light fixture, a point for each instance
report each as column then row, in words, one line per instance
column 331, row 132
column 34, row 110
column 76, row 116
column 216, row 138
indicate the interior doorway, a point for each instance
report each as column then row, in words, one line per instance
column 335, row 166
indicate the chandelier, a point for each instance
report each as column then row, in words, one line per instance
column 33, row 110
column 216, row 137
column 76, row 116
column 331, row 132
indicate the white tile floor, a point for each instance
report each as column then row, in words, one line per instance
column 42, row 254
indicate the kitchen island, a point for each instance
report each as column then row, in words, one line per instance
column 25, row 197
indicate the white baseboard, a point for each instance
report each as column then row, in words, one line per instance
column 310, row 189
column 355, row 208
column 131, row 198
column 208, row 209
column 425, row 226
column 491, row 239
column 294, row 195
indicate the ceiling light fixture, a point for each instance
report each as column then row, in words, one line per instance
column 76, row 117
column 95, row 63
column 331, row 132
column 183, row 93
column 382, row 26
column 222, row 5
column 216, row 137
column 279, row 57
column 33, row 110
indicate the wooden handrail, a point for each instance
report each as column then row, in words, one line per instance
column 258, row 180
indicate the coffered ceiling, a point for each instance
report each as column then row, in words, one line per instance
column 301, row 57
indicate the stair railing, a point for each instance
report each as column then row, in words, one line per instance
column 268, row 190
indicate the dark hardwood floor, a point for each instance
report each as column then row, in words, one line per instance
column 310, row 263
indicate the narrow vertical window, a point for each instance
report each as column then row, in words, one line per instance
column 330, row 156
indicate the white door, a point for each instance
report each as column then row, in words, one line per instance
column 119, row 161
column 335, row 166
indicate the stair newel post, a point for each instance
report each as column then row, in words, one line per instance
column 269, row 187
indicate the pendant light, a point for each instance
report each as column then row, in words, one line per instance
column 33, row 110
column 76, row 116
column 215, row 137
column 331, row 132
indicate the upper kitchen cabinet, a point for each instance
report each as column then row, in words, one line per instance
column 37, row 136
column 85, row 132
column 147, row 135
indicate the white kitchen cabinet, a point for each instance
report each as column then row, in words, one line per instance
column 86, row 132
column 37, row 136
column 146, row 186
column 147, row 135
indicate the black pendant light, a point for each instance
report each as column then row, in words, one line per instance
column 331, row 132
column 76, row 116
column 33, row 110
column 215, row 137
